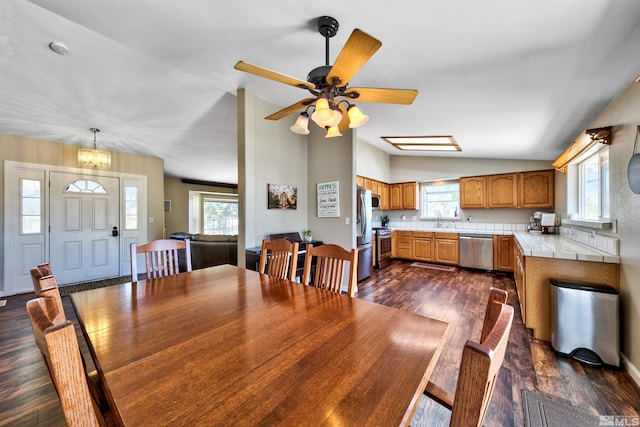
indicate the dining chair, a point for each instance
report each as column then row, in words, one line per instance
column 492, row 311
column 161, row 257
column 329, row 267
column 38, row 272
column 52, row 301
column 479, row 370
column 283, row 258
column 61, row 353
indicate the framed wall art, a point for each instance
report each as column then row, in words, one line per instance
column 282, row 196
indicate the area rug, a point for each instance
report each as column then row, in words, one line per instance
column 433, row 266
column 65, row 290
column 541, row 411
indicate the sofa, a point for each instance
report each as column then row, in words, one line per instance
column 208, row 250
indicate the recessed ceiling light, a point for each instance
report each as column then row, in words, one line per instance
column 59, row 48
column 423, row 143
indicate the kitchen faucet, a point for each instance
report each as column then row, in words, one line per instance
column 439, row 222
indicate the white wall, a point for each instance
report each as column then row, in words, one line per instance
column 268, row 153
column 624, row 115
column 372, row 162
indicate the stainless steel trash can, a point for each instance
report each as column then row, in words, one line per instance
column 585, row 321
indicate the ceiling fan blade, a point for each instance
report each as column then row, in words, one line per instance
column 291, row 109
column 355, row 53
column 272, row 75
column 386, row 96
column 344, row 123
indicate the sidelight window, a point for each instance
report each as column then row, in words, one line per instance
column 30, row 206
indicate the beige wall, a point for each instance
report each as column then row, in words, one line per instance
column 624, row 115
column 29, row 150
column 268, row 153
column 178, row 192
column 333, row 159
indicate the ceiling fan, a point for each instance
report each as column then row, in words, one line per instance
column 329, row 85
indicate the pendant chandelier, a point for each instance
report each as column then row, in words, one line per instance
column 94, row 158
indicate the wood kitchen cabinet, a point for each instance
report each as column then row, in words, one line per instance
column 410, row 195
column 520, row 276
column 359, row 181
column 536, row 189
column 422, row 245
column 446, row 249
column 473, row 192
column 502, row 190
column 401, row 244
column 383, row 189
column 395, row 196
column 503, row 257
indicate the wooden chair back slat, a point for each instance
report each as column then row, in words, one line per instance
column 282, row 256
column 479, row 371
column 161, row 258
column 329, row 268
column 59, row 346
column 491, row 314
column 38, row 272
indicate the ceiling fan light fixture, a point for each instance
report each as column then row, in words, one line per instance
column 356, row 118
column 323, row 113
column 332, row 132
column 301, row 126
column 335, row 120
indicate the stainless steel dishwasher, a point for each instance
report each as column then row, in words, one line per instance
column 476, row 251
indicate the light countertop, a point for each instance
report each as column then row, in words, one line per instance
column 555, row 246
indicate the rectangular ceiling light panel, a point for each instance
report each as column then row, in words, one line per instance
column 423, row 143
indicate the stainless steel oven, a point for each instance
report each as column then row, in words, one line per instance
column 383, row 247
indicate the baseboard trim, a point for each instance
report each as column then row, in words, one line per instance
column 631, row 369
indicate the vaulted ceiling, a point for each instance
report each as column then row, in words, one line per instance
column 507, row 78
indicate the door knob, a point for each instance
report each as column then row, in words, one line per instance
column 114, row 232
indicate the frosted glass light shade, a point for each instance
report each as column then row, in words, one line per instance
column 323, row 113
column 332, row 132
column 93, row 158
column 301, row 126
column 356, row 118
column 335, row 120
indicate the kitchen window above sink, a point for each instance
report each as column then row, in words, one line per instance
column 440, row 200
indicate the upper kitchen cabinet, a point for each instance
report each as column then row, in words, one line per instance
column 395, row 196
column 473, row 192
column 509, row 190
column 410, row 195
column 502, row 190
column 403, row 195
column 536, row 189
column 383, row 188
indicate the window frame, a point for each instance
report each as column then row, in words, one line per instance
column 434, row 184
column 601, row 157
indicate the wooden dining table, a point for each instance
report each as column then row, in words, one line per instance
column 229, row 346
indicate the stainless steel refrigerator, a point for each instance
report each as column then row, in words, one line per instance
column 363, row 225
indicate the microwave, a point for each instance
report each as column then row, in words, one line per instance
column 375, row 202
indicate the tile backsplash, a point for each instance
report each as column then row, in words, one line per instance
column 610, row 245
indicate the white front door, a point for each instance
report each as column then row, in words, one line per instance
column 83, row 211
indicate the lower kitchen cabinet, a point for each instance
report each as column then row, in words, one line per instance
column 446, row 249
column 401, row 244
column 532, row 276
column 503, row 253
column 422, row 246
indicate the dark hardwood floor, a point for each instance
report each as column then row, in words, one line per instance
column 27, row 397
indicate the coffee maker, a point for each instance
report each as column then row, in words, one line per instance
column 535, row 225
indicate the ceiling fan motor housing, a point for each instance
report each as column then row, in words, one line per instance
column 327, row 26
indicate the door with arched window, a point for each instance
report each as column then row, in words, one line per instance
column 84, row 221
